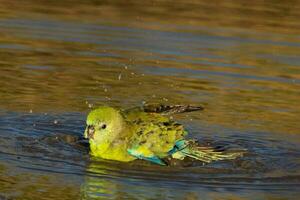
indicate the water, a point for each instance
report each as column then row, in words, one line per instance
column 240, row 60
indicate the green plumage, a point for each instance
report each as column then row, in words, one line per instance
column 145, row 133
column 154, row 132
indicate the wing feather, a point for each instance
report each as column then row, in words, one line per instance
column 155, row 135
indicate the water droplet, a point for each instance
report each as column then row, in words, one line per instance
column 90, row 105
column 55, row 122
column 120, row 76
column 30, row 111
column 105, row 89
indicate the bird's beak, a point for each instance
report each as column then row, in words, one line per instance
column 89, row 132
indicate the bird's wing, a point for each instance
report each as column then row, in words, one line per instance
column 165, row 109
column 155, row 137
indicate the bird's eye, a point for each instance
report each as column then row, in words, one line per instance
column 103, row 126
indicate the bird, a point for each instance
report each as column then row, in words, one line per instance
column 145, row 133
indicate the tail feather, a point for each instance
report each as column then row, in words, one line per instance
column 208, row 154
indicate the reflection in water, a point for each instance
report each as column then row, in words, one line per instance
column 240, row 60
column 112, row 180
column 102, row 181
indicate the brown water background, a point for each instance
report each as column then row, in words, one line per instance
column 239, row 59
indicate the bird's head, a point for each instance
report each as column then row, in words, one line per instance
column 104, row 124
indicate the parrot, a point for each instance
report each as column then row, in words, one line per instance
column 145, row 133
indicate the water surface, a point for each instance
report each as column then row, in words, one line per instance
column 240, row 60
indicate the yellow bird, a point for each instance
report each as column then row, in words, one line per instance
column 145, row 133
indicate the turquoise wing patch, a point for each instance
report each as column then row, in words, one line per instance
column 153, row 159
column 179, row 145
